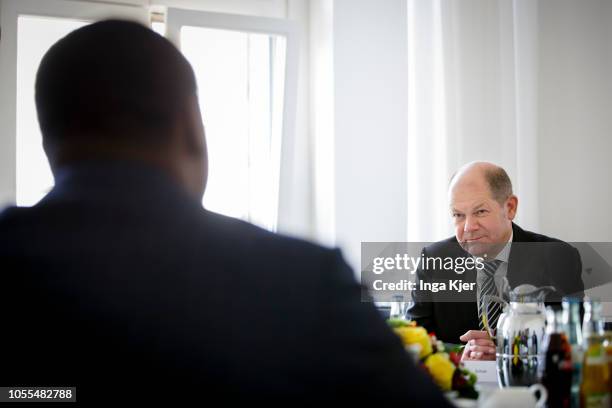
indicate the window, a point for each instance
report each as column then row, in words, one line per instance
column 246, row 72
column 239, row 83
column 35, row 35
column 245, row 81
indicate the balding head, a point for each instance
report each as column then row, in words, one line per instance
column 494, row 176
column 483, row 206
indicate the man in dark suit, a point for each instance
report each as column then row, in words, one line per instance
column 483, row 208
column 119, row 283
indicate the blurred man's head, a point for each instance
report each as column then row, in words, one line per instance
column 117, row 90
column 483, row 206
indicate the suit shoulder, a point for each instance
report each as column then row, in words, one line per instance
column 553, row 248
column 284, row 261
column 530, row 236
column 251, row 238
column 8, row 214
column 554, row 243
column 12, row 218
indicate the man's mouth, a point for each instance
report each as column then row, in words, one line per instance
column 473, row 239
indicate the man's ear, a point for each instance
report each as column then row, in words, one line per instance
column 511, row 206
column 193, row 134
column 194, row 164
column 50, row 153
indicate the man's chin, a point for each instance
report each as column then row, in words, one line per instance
column 486, row 250
column 479, row 249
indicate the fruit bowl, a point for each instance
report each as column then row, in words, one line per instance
column 442, row 362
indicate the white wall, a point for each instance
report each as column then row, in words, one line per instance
column 575, row 139
column 575, row 129
column 370, row 87
column 321, row 24
column 564, row 88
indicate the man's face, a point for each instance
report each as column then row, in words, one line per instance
column 482, row 224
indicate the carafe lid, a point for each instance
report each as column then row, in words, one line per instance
column 527, row 293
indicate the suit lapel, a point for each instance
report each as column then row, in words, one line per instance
column 517, row 257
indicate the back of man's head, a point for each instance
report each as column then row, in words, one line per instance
column 112, row 84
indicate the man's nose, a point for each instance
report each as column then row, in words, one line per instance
column 471, row 224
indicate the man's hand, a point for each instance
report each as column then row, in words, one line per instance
column 479, row 346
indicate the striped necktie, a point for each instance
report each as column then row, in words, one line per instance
column 488, row 287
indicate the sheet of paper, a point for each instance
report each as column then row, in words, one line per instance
column 485, row 370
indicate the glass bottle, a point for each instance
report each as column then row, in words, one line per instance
column 608, row 345
column 558, row 367
column 571, row 321
column 593, row 323
column 594, row 391
column 398, row 308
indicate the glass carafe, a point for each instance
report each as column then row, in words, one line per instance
column 520, row 335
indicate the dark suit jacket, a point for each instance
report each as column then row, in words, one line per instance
column 534, row 258
column 120, row 284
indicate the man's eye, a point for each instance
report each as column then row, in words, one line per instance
column 456, row 215
column 481, row 212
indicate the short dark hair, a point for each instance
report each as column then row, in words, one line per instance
column 113, row 80
column 499, row 183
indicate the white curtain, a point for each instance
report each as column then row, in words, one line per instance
column 472, row 90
